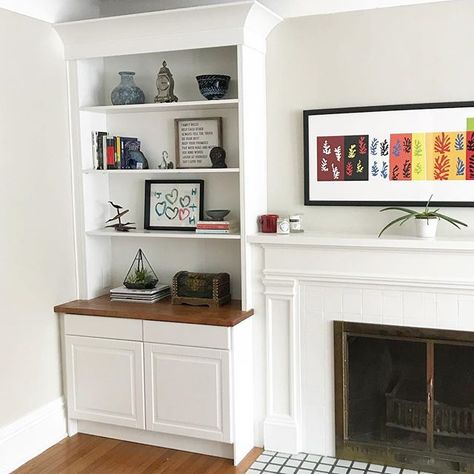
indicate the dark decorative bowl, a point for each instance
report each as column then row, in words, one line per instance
column 217, row 214
column 213, row 86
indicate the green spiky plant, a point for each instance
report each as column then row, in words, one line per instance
column 141, row 277
column 425, row 214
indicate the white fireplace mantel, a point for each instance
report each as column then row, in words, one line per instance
column 318, row 239
column 306, row 281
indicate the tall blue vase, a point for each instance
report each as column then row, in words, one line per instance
column 127, row 92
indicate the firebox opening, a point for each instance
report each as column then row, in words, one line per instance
column 387, row 394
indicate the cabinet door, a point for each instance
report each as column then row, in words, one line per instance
column 187, row 391
column 105, row 380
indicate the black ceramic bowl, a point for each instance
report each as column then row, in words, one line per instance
column 213, row 86
column 217, row 214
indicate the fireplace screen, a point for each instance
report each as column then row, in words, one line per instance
column 454, row 399
column 405, row 396
column 387, row 394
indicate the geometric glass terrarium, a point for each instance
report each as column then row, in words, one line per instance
column 140, row 275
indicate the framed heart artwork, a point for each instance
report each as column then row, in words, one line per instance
column 173, row 204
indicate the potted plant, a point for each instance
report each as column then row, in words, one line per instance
column 426, row 221
column 140, row 275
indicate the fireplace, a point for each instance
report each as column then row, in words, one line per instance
column 405, row 396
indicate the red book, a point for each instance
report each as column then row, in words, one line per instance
column 213, row 226
column 110, row 153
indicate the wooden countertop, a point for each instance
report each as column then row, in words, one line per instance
column 228, row 315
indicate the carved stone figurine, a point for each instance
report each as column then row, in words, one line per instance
column 165, row 164
column 217, row 155
column 119, row 226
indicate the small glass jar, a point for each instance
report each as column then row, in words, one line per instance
column 296, row 224
column 283, row 225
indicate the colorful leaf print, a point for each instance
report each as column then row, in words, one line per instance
column 442, row 144
column 441, row 168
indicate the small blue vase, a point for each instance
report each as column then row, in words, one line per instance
column 127, row 92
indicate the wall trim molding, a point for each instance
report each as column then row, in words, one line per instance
column 32, row 434
column 273, row 277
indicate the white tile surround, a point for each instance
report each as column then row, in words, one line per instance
column 311, row 280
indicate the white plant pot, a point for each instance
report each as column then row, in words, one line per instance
column 426, row 228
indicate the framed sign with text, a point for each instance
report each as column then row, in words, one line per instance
column 195, row 138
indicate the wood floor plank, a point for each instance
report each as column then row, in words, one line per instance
column 86, row 454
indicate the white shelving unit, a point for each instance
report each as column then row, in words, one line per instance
column 154, row 234
column 173, row 106
column 220, row 39
column 165, row 171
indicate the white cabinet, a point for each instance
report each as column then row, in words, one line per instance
column 187, row 391
column 172, row 384
column 105, row 380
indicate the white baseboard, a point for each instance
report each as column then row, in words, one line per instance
column 32, row 434
column 163, row 440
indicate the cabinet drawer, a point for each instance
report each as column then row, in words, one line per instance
column 196, row 335
column 98, row 326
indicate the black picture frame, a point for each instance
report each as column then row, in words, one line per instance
column 307, row 114
column 174, row 203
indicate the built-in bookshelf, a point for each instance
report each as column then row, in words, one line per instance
column 219, row 39
column 96, row 51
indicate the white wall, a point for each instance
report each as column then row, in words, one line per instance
column 388, row 56
column 54, row 11
column 36, row 238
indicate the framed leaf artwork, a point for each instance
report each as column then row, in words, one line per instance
column 173, row 204
column 393, row 154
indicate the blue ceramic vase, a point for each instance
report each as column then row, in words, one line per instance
column 127, row 92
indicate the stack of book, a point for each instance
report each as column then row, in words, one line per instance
column 111, row 153
column 214, row 227
column 122, row 293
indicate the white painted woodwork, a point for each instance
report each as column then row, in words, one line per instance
column 242, row 360
column 213, row 337
column 156, row 234
column 109, row 328
column 196, row 171
column 253, row 177
column 197, row 378
column 227, row 39
column 304, row 283
column 165, row 107
column 188, row 391
column 30, row 435
column 200, row 27
column 105, row 381
column 153, row 438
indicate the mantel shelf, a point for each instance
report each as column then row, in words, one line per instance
column 166, row 107
column 140, row 233
column 319, row 239
column 165, row 172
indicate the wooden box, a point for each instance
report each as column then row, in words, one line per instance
column 200, row 289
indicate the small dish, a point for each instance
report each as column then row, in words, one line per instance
column 217, row 214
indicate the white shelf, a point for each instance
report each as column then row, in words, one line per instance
column 166, row 107
column 166, row 172
column 160, row 234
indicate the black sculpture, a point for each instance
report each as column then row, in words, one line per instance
column 217, row 155
column 120, row 226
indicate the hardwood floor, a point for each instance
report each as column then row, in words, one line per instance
column 85, row 454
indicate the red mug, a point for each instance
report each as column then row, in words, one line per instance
column 268, row 223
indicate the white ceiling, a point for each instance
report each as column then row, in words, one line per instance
column 65, row 10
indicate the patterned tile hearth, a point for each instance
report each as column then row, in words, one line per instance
column 280, row 463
